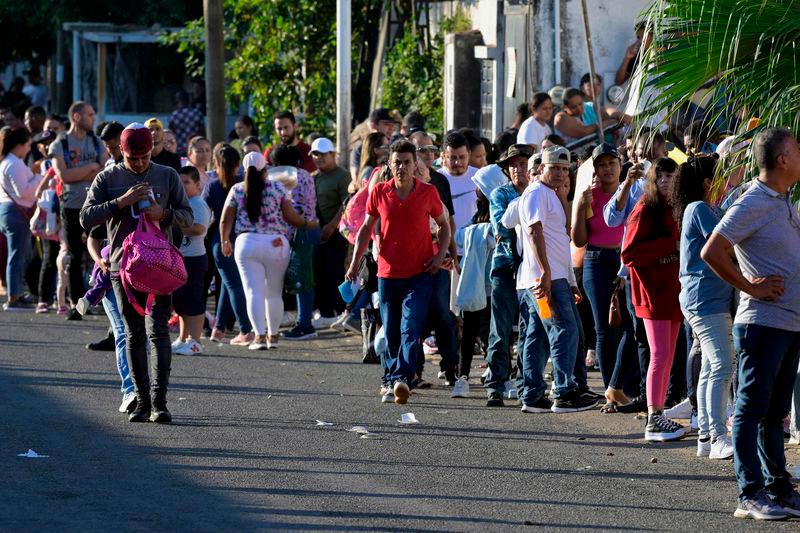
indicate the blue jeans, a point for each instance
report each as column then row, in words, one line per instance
column 563, row 331
column 532, row 351
column 713, row 335
column 442, row 322
column 18, row 234
column 614, row 350
column 114, row 316
column 768, row 360
column 404, row 304
column 504, row 307
column 305, row 299
column 231, row 295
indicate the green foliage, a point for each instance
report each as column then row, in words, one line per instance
column 413, row 78
column 745, row 51
column 29, row 29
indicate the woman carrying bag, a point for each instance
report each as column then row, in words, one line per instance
column 18, row 187
column 261, row 212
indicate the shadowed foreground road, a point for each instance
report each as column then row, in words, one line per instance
column 245, row 451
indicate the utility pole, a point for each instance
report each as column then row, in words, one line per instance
column 595, row 98
column 343, row 85
column 215, row 73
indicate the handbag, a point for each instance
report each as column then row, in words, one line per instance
column 615, row 309
column 370, row 323
column 300, row 272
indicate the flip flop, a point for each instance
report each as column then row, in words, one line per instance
column 609, row 408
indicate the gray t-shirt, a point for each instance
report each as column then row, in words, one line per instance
column 83, row 152
column 764, row 228
column 194, row 246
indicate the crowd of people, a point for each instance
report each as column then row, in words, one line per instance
column 625, row 257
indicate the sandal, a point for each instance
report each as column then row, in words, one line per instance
column 609, row 408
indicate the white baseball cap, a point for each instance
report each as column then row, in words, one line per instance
column 322, row 145
column 254, row 159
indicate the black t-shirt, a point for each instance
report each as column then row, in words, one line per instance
column 441, row 184
column 168, row 159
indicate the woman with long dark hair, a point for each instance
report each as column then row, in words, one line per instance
column 261, row 212
column 650, row 251
column 537, row 126
column 374, row 153
column 706, row 303
column 231, row 301
column 17, row 195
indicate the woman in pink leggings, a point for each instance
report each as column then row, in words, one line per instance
column 650, row 251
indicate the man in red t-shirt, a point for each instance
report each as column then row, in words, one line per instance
column 407, row 261
column 286, row 128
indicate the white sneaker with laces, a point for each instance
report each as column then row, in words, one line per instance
column 177, row 344
column 511, row 391
column 721, row 448
column 703, row 448
column 461, row 388
column 682, row 411
column 324, row 322
column 127, row 400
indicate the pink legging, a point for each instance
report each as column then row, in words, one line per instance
column 662, row 336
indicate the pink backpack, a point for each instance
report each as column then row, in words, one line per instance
column 150, row 264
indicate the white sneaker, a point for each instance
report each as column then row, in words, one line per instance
column 289, row 319
column 255, row 345
column 694, row 423
column 442, row 374
column 682, row 411
column 429, row 346
column 387, row 397
column 461, row 388
column 190, row 347
column 721, row 448
column 325, row 322
column 511, row 391
column 703, row 448
column 591, row 358
column 127, row 400
column 177, row 343
column 340, row 320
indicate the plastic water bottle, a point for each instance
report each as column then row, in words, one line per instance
column 544, row 306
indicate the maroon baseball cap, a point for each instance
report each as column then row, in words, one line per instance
column 136, row 139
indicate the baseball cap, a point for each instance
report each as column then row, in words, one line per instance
column 534, row 161
column 45, row 136
column 136, row 139
column 380, row 114
column 605, row 149
column 151, row 123
column 322, row 145
column 254, row 159
column 515, row 150
column 554, row 155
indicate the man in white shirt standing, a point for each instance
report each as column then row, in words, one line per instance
column 455, row 167
column 546, row 274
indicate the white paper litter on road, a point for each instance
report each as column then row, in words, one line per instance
column 369, row 435
column 322, row 423
column 359, row 429
column 30, row 454
column 442, row 411
column 408, row 418
column 181, row 399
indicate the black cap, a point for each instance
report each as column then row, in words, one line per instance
column 379, row 114
column 605, row 149
column 522, row 150
column 46, row 136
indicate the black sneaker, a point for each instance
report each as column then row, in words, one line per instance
column 542, row 405
column 573, row 402
column 589, row 393
column 74, row 314
column 495, row 399
column 16, row 306
column 160, row 413
column 142, row 411
column 299, row 333
column 661, row 429
column 106, row 345
column 637, row 405
column 450, row 378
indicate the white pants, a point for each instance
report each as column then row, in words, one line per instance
column 262, row 266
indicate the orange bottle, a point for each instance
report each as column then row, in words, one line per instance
column 544, row 306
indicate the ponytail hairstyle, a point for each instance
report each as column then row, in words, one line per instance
column 253, row 192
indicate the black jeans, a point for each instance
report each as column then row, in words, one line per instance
column 328, row 274
column 77, row 250
column 138, row 331
column 476, row 326
column 48, row 272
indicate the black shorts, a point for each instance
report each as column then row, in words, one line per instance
column 189, row 299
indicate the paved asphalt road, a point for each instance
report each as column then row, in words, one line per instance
column 245, row 452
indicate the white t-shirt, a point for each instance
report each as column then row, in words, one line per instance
column 539, row 203
column 531, row 132
column 462, row 189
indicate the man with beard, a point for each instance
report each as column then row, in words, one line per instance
column 286, row 128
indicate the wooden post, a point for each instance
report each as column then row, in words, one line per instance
column 215, row 73
column 595, row 98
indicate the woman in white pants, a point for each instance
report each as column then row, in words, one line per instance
column 261, row 211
